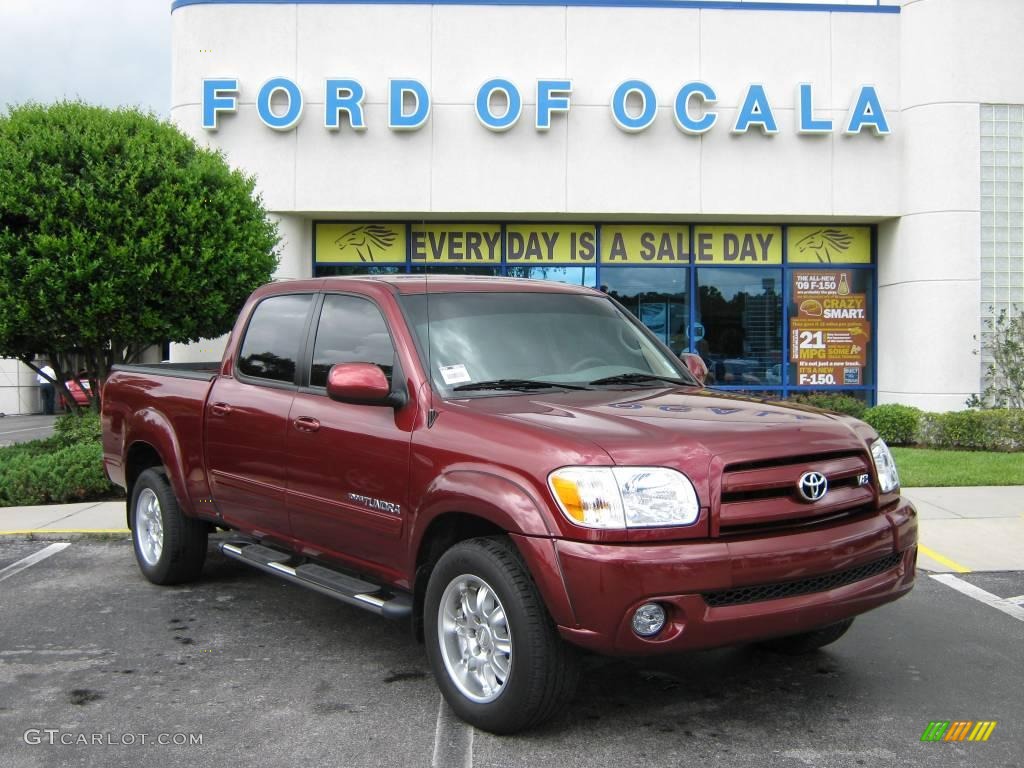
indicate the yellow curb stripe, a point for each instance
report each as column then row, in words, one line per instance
column 951, row 564
column 65, row 530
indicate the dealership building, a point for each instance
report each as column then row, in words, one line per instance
column 812, row 196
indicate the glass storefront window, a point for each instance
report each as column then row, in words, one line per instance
column 348, row 270
column 738, row 329
column 453, row 269
column 585, row 276
column 656, row 295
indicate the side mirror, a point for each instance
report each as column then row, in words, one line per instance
column 695, row 364
column 361, row 384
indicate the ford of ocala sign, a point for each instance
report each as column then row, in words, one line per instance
column 499, row 105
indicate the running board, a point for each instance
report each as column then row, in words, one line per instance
column 340, row 586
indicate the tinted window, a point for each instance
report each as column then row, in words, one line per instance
column 351, row 330
column 273, row 338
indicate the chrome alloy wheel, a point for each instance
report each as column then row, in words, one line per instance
column 149, row 527
column 475, row 638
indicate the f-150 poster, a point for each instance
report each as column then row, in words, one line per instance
column 829, row 327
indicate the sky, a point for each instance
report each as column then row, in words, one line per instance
column 108, row 52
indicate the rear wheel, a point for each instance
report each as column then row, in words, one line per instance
column 493, row 648
column 805, row 642
column 169, row 547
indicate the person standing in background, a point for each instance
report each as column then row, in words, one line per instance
column 46, row 389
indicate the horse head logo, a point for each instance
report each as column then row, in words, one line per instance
column 825, row 244
column 365, row 238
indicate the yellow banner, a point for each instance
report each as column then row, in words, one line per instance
column 455, row 243
column 737, row 245
column 638, row 244
column 828, row 245
column 351, row 242
column 550, row 244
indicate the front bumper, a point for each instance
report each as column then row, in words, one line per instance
column 606, row 583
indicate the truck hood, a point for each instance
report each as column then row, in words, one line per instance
column 678, row 426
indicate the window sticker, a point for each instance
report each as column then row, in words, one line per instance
column 454, row 374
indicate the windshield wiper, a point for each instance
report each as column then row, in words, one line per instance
column 634, row 378
column 514, row 384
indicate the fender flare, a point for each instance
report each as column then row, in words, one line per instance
column 507, row 503
column 151, row 427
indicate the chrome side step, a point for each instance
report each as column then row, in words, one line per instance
column 340, row 586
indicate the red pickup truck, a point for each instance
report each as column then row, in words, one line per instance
column 519, row 468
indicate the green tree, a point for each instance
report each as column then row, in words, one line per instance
column 118, row 232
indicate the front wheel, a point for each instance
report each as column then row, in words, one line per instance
column 169, row 547
column 493, row 648
column 805, row 642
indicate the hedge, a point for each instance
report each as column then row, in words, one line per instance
column 837, row 403
column 64, row 468
column 994, row 429
column 896, row 424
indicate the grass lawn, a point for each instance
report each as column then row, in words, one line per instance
column 929, row 467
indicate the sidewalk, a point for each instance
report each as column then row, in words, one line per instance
column 961, row 529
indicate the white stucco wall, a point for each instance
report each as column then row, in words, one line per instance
column 933, row 64
column 955, row 56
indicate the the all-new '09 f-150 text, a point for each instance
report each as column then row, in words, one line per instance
column 518, row 468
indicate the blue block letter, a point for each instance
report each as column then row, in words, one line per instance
column 552, row 96
column 286, row 121
column 648, row 109
column 807, row 122
column 344, row 96
column 483, row 105
column 755, row 111
column 686, row 123
column 397, row 119
column 867, row 112
column 218, row 96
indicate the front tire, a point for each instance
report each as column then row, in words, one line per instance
column 170, row 548
column 493, row 648
column 805, row 642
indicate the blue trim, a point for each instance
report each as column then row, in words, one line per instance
column 719, row 5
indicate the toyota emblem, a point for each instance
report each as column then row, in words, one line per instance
column 812, row 486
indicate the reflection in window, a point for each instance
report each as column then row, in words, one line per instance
column 348, row 270
column 351, row 330
column 272, row 340
column 656, row 295
column 740, row 311
column 585, row 276
column 454, row 269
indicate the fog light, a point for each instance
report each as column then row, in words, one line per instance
column 648, row 619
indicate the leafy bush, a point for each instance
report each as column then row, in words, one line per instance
column 70, row 429
column 896, row 424
column 65, row 468
column 1003, row 347
column 838, row 403
column 996, row 429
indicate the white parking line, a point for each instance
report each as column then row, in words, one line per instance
column 32, row 559
column 27, row 429
column 979, row 594
column 453, row 740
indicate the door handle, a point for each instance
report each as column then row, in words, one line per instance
column 220, row 409
column 306, row 424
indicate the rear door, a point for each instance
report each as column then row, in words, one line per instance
column 247, row 417
column 349, row 464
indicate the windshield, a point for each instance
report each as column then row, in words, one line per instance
column 513, row 340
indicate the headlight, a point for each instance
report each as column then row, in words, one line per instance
column 888, row 477
column 624, row 497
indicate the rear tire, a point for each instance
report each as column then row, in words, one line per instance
column 493, row 648
column 170, row 548
column 805, row 642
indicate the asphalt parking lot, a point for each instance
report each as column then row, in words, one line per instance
column 266, row 674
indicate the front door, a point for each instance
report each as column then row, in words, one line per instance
column 349, row 464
